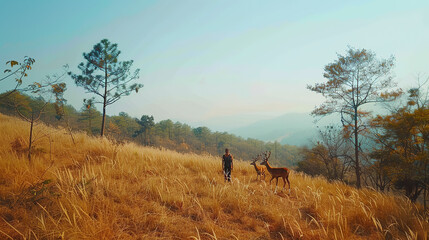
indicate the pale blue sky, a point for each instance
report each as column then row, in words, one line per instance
column 217, row 63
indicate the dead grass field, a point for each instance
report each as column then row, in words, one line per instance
column 99, row 189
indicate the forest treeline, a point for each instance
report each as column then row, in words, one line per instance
column 146, row 131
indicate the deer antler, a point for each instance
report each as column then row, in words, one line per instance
column 267, row 155
column 256, row 158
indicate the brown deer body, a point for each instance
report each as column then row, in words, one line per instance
column 276, row 172
column 260, row 170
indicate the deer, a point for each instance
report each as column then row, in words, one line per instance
column 260, row 170
column 276, row 172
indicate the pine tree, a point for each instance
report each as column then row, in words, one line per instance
column 105, row 76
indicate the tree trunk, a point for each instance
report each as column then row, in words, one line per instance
column 89, row 122
column 31, row 137
column 425, row 187
column 104, row 99
column 357, row 166
column 103, row 122
column 424, row 196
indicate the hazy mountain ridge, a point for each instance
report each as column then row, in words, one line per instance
column 291, row 128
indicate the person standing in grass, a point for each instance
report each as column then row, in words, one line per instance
column 227, row 165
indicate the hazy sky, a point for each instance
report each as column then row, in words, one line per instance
column 216, row 63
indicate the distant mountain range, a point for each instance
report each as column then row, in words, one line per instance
column 292, row 128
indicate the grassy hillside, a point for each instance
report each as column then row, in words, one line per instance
column 165, row 133
column 98, row 189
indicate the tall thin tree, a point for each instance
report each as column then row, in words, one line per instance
column 354, row 80
column 105, row 76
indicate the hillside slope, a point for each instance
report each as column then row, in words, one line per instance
column 165, row 133
column 99, row 189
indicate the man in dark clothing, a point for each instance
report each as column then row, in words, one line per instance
column 227, row 165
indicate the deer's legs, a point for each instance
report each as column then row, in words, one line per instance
column 277, row 182
column 288, row 183
column 270, row 182
column 284, row 182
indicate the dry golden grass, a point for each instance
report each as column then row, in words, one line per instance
column 98, row 189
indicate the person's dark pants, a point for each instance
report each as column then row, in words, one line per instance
column 227, row 173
